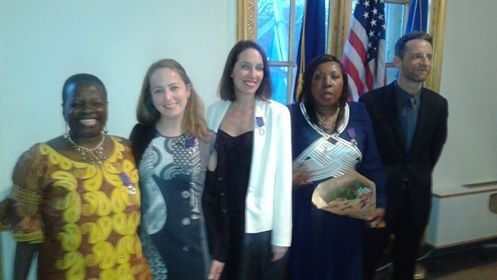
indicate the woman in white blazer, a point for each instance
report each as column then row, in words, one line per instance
column 247, row 200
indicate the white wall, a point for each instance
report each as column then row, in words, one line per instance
column 469, row 82
column 43, row 42
column 463, row 217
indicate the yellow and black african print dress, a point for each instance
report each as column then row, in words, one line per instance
column 84, row 216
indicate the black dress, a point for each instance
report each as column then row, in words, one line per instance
column 235, row 159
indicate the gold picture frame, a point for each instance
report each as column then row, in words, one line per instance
column 246, row 20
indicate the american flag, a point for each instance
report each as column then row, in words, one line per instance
column 364, row 52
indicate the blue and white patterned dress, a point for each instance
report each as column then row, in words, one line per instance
column 172, row 175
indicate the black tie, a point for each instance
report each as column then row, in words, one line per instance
column 411, row 118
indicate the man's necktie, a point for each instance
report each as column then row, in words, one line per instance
column 411, row 118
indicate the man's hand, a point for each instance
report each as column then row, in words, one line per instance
column 216, row 269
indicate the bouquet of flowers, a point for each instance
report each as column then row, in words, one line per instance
column 350, row 195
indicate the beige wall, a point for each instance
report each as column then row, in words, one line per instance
column 469, row 82
column 43, row 42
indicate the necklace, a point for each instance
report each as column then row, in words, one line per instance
column 93, row 155
column 327, row 123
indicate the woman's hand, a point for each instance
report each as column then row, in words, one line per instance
column 278, row 253
column 375, row 219
column 300, row 177
column 212, row 161
column 216, row 269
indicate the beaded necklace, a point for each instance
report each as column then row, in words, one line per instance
column 95, row 155
column 327, row 123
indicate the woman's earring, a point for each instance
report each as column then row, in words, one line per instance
column 66, row 133
column 104, row 130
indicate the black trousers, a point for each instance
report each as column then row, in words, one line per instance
column 254, row 262
column 406, row 242
column 375, row 242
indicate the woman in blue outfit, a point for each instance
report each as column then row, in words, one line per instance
column 173, row 147
column 326, row 246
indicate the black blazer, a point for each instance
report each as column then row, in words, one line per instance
column 416, row 166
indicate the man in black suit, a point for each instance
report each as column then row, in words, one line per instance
column 410, row 124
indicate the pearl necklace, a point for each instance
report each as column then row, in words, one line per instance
column 95, row 155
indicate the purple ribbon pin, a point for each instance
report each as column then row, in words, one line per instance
column 125, row 179
column 127, row 183
column 190, row 142
column 351, row 133
column 259, row 121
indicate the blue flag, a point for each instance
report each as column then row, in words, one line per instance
column 312, row 39
column 418, row 16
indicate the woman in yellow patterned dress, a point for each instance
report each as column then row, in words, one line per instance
column 75, row 199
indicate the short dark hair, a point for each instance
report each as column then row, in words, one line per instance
column 226, row 85
column 401, row 43
column 306, row 95
column 79, row 79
